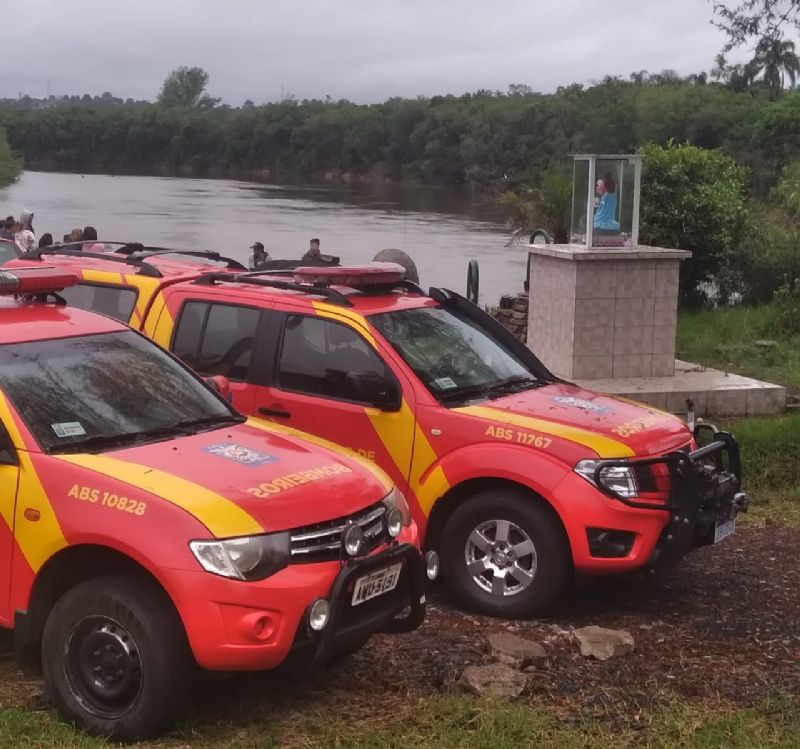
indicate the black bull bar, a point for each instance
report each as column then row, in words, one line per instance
column 704, row 489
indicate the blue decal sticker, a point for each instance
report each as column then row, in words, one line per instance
column 240, row 454
column 582, row 403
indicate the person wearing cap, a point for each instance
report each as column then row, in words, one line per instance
column 259, row 256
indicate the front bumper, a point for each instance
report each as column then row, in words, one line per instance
column 400, row 610
column 704, row 492
column 240, row 626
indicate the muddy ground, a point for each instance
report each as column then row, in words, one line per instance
column 723, row 626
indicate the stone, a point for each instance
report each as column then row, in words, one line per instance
column 494, row 680
column 400, row 257
column 602, row 644
column 517, row 651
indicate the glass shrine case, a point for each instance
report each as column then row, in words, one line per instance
column 605, row 189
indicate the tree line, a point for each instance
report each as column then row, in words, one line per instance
column 483, row 138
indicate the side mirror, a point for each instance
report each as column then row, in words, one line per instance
column 380, row 392
column 222, row 385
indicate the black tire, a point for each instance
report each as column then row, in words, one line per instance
column 550, row 563
column 127, row 628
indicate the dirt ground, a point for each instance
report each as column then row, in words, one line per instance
column 723, row 626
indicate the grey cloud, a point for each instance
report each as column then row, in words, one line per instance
column 356, row 49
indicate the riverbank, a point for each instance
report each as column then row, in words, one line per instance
column 10, row 165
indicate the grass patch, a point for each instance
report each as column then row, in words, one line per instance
column 457, row 723
column 725, row 339
column 770, row 449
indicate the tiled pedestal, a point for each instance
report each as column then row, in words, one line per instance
column 599, row 314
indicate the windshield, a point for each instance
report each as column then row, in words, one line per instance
column 104, row 391
column 455, row 359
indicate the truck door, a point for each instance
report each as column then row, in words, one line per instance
column 9, row 479
column 318, row 366
column 213, row 337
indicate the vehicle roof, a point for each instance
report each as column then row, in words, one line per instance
column 22, row 320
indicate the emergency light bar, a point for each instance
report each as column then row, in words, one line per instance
column 35, row 281
column 354, row 277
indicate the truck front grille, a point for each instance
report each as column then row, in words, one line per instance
column 322, row 542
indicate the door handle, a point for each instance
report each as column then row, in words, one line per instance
column 278, row 412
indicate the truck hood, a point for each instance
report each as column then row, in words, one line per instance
column 245, row 478
column 611, row 427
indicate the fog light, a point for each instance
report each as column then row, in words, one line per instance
column 394, row 522
column 353, row 540
column 432, row 565
column 319, row 614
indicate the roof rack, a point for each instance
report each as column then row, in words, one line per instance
column 143, row 268
column 138, row 250
column 332, row 295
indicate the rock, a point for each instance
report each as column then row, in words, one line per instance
column 401, row 258
column 517, row 651
column 765, row 344
column 601, row 643
column 494, row 680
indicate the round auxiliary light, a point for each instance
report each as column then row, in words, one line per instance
column 394, row 522
column 319, row 615
column 432, row 565
column 353, row 540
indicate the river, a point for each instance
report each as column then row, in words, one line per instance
column 441, row 229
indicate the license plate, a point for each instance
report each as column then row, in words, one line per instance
column 723, row 529
column 376, row 584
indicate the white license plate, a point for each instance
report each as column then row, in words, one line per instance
column 723, row 529
column 376, row 584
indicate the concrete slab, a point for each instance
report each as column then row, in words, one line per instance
column 714, row 392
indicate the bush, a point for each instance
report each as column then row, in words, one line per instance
column 694, row 199
column 9, row 164
column 769, row 256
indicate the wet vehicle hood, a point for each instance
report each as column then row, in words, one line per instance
column 248, row 477
column 622, row 428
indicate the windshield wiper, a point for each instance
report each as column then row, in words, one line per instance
column 523, row 382
column 501, row 387
column 208, row 421
column 186, row 427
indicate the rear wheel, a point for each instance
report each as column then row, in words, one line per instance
column 115, row 658
column 505, row 554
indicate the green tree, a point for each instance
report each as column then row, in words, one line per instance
column 775, row 59
column 743, row 20
column 185, row 87
column 546, row 205
column 694, row 199
column 9, row 164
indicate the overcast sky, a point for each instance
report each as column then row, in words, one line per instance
column 362, row 50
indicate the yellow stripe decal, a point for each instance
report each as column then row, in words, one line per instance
column 40, row 540
column 281, row 429
column 605, row 447
column 158, row 324
column 342, row 314
column 223, row 517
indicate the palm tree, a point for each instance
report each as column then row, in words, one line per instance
column 776, row 60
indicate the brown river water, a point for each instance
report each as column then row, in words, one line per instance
column 441, row 229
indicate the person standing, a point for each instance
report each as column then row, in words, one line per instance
column 259, row 257
column 89, row 234
column 7, row 228
column 313, row 253
column 24, row 236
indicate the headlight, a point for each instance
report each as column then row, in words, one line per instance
column 395, row 500
column 245, row 558
column 617, row 479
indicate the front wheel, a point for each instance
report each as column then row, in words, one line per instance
column 505, row 554
column 115, row 658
